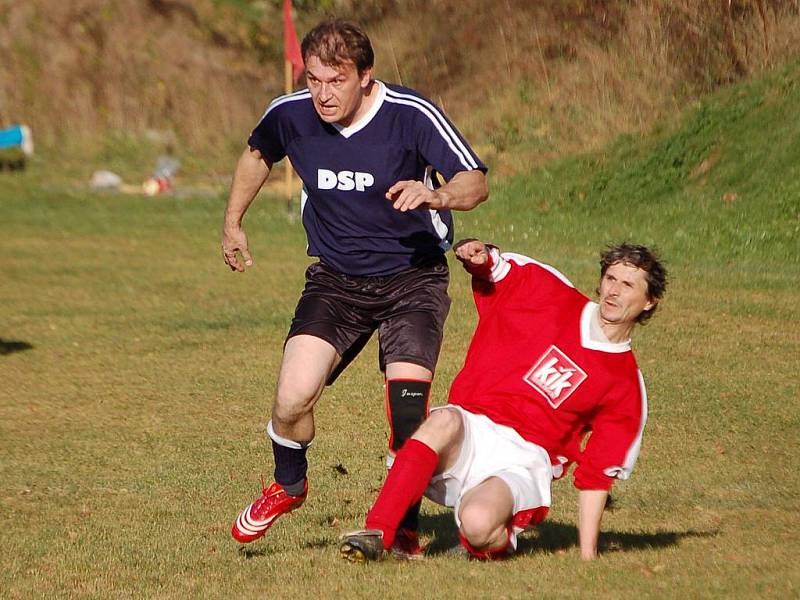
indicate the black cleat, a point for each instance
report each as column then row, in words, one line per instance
column 362, row 546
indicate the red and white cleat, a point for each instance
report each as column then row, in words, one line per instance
column 254, row 520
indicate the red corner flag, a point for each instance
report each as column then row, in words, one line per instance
column 291, row 47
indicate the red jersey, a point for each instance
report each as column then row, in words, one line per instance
column 535, row 364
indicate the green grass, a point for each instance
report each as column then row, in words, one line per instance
column 136, row 375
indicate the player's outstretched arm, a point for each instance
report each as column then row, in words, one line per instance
column 591, row 504
column 251, row 173
column 464, row 191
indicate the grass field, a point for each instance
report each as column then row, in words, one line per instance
column 136, row 374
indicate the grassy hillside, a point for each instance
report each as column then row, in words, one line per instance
column 136, row 372
column 118, row 82
column 730, row 160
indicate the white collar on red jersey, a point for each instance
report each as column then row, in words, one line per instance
column 592, row 336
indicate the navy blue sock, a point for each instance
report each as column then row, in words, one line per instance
column 291, row 467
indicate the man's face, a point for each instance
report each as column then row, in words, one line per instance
column 337, row 91
column 623, row 294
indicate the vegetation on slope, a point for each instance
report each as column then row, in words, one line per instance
column 102, row 81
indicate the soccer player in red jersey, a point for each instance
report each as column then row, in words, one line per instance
column 546, row 366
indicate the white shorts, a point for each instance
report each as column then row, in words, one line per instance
column 492, row 450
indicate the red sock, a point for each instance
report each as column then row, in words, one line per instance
column 406, row 482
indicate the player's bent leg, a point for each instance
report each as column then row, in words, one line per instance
column 406, row 482
column 307, row 362
column 407, row 395
column 412, row 470
column 485, row 513
column 443, row 431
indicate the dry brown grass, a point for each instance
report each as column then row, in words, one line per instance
column 525, row 80
column 84, row 67
column 557, row 76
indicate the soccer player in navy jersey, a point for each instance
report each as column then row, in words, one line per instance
column 377, row 217
column 546, row 366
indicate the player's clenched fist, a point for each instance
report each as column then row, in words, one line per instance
column 471, row 252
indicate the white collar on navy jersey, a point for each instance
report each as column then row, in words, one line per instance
column 354, row 128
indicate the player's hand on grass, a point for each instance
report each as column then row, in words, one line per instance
column 234, row 243
column 472, row 252
column 409, row 194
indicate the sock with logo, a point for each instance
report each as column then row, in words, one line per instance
column 413, row 468
column 406, row 408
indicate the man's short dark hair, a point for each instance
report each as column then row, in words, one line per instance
column 337, row 41
column 646, row 260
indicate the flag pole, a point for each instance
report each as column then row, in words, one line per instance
column 292, row 68
column 288, row 83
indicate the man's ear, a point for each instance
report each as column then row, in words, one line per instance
column 366, row 77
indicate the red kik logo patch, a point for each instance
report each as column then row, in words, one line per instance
column 555, row 376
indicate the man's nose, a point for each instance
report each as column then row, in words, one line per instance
column 325, row 91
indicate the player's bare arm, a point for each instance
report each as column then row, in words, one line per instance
column 251, row 173
column 464, row 191
column 591, row 504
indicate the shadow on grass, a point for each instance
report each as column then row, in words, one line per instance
column 548, row 537
column 250, row 552
column 553, row 536
column 11, row 346
column 253, row 552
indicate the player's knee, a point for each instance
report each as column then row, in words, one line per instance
column 441, row 428
column 481, row 529
column 293, row 400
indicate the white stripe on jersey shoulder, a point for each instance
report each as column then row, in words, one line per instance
column 354, row 128
column 293, row 97
column 624, row 471
column 521, row 260
column 442, row 126
column 587, row 341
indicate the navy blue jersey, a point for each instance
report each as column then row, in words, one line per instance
column 346, row 172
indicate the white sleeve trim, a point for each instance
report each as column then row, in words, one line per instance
column 500, row 266
column 521, row 259
column 624, row 472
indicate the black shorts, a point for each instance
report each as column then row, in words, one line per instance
column 408, row 309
